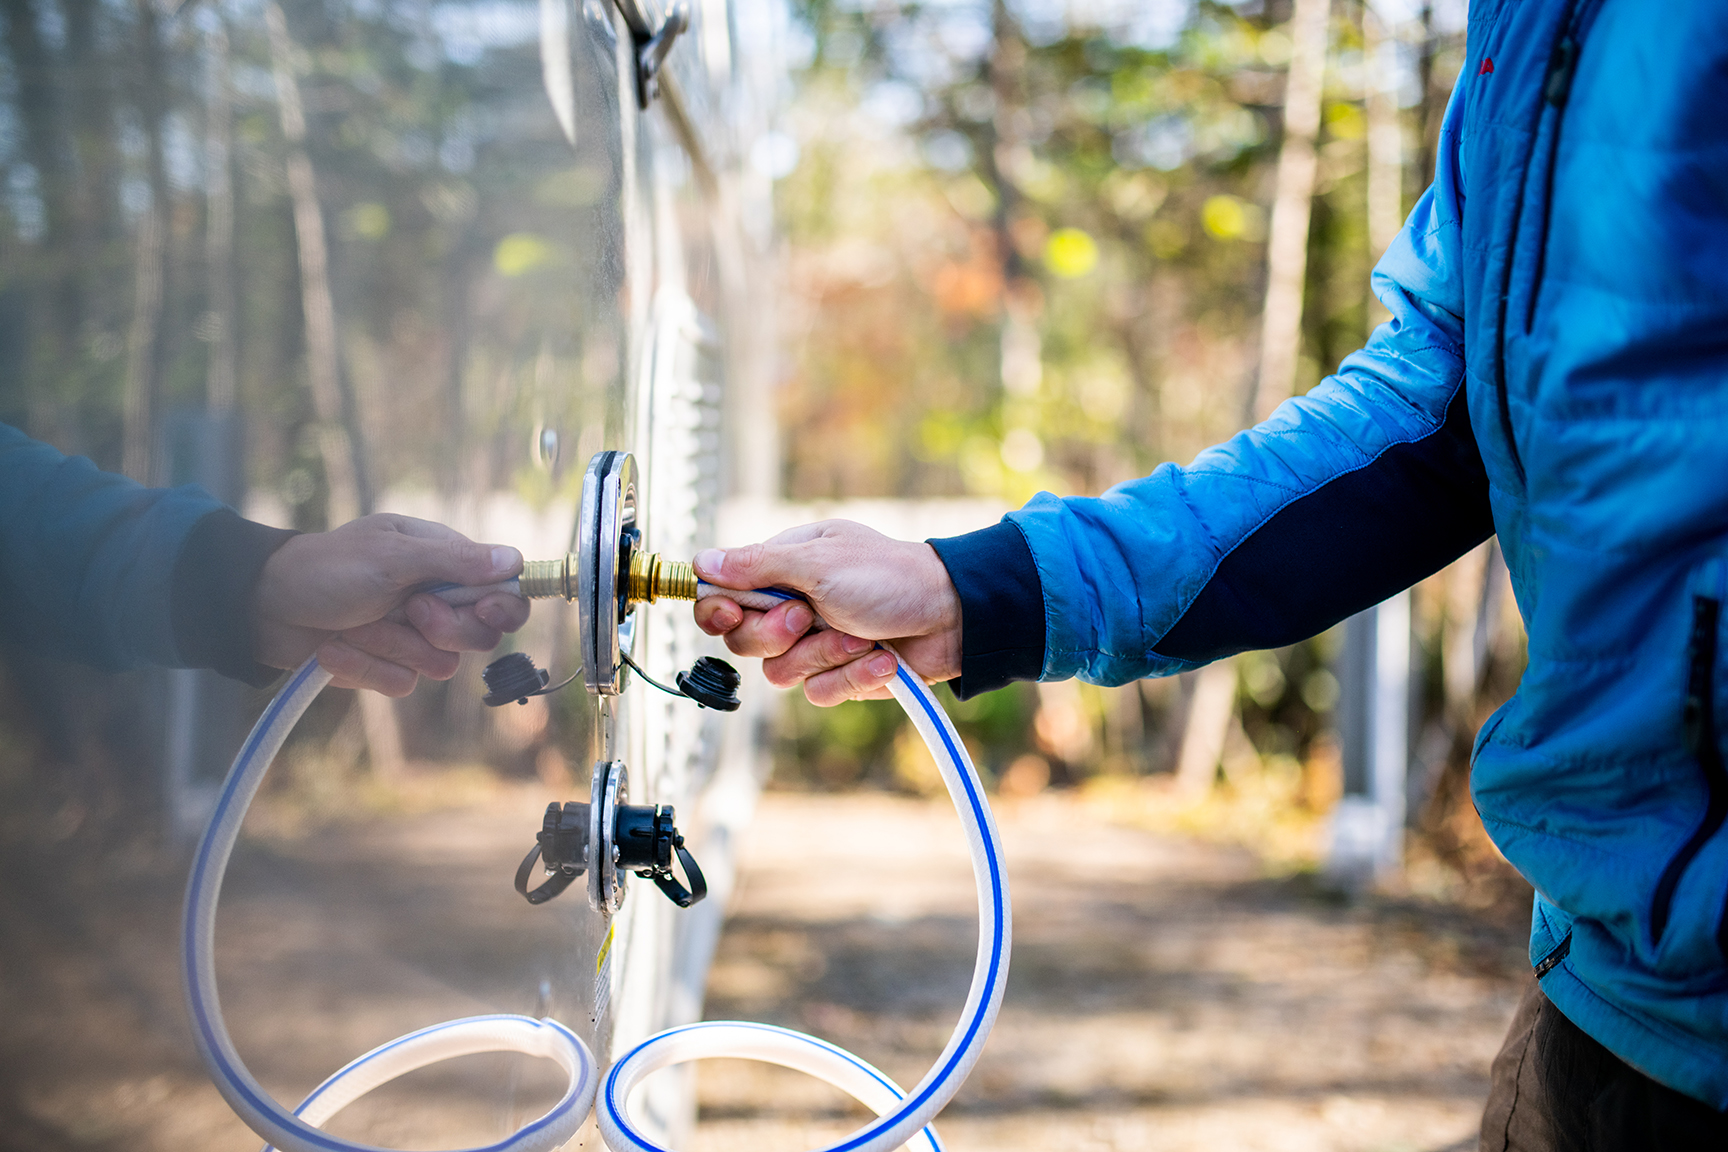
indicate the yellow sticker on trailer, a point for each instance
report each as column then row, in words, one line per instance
column 605, row 948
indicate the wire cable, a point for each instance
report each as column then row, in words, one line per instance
column 639, row 671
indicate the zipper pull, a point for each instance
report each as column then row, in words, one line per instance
column 1700, row 681
column 1560, row 68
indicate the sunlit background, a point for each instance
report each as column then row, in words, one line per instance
column 1029, row 247
column 999, row 248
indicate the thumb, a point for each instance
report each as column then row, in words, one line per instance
column 455, row 560
column 754, row 566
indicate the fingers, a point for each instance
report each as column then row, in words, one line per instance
column 863, row 679
column 813, row 655
column 407, row 558
column 349, row 667
column 414, row 526
column 778, row 562
column 833, row 667
column 403, row 646
column 389, row 657
column 717, row 615
column 475, row 629
column 774, row 561
column 802, row 533
column 765, row 633
column 503, row 611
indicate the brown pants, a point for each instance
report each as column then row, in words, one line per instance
column 1554, row 1089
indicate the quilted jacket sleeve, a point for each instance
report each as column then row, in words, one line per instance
column 1342, row 497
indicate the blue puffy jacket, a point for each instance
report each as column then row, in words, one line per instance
column 1555, row 370
column 99, row 569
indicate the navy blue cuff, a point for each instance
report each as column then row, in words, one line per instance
column 1001, row 607
column 211, row 603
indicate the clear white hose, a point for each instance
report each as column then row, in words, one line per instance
column 298, row 1131
column 901, row 1116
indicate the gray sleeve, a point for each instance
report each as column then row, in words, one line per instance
column 90, row 562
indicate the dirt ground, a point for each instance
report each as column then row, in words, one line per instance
column 1164, row 994
column 328, row 942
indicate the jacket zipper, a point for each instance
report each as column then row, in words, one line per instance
column 1556, row 86
column 1701, row 740
column 1722, row 930
column 1556, row 954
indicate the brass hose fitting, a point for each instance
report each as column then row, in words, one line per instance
column 653, row 579
column 542, row 579
column 650, row 579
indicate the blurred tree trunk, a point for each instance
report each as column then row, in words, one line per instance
column 1154, row 313
column 337, row 438
column 457, row 310
column 149, row 270
column 39, row 107
column 339, row 431
column 1124, row 728
column 35, row 74
column 1385, row 144
column 221, row 375
column 1287, row 247
column 97, row 245
column 90, row 102
column 1431, row 108
column 1206, row 728
column 1021, row 354
column 138, row 400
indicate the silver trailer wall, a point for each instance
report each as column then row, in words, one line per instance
column 338, row 256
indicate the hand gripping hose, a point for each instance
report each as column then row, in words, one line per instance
column 902, row 1116
column 299, row 1131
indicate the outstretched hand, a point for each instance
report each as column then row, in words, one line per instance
column 348, row 595
column 864, row 585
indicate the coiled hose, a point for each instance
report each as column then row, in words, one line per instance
column 902, row 1116
column 298, row 1131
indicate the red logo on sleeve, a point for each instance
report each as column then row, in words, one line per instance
column 1487, row 66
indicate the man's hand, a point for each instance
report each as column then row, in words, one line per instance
column 348, row 595
column 866, row 586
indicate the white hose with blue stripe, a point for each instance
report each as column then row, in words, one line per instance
column 902, row 1116
column 299, row 1131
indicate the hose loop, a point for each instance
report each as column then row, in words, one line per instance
column 298, row 1131
column 902, row 1117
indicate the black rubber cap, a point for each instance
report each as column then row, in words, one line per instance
column 512, row 677
column 712, row 683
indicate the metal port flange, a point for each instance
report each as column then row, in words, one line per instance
column 609, row 573
column 611, row 788
column 606, row 532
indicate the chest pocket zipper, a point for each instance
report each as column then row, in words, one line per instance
column 1702, row 740
column 1556, row 88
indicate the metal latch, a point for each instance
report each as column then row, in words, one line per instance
column 651, row 53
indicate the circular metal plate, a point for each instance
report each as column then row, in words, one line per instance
column 608, row 514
